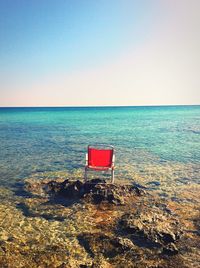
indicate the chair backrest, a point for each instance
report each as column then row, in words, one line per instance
column 98, row 157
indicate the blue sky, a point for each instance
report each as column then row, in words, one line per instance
column 66, row 34
column 47, row 46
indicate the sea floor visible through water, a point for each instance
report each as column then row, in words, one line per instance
column 36, row 232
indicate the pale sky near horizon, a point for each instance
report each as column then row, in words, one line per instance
column 90, row 53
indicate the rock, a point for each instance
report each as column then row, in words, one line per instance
column 96, row 190
column 100, row 262
column 42, row 186
column 170, row 249
column 153, row 225
column 108, row 246
column 71, row 189
column 53, row 187
column 97, row 243
column 124, row 243
column 115, row 199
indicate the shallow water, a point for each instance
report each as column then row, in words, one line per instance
column 55, row 139
column 156, row 147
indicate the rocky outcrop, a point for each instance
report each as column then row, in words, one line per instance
column 95, row 190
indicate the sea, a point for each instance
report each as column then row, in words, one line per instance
column 151, row 143
column 157, row 149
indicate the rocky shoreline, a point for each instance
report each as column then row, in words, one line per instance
column 96, row 225
column 140, row 227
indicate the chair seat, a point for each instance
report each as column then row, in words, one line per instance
column 100, row 158
column 98, row 168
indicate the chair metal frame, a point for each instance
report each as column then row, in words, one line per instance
column 111, row 168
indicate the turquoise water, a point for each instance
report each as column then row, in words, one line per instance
column 149, row 141
column 156, row 147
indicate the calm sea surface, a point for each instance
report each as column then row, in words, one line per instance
column 153, row 144
column 156, row 147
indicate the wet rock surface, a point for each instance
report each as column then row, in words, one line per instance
column 95, row 190
column 69, row 223
column 153, row 228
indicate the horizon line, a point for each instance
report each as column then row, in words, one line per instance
column 102, row 106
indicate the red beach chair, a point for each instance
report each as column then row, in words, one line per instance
column 100, row 158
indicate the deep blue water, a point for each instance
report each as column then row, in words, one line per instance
column 34, row 140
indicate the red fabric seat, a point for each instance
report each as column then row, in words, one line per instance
column 99, row 159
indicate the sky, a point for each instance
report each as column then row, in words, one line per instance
column 99, row 53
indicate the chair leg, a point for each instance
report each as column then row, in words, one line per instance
column 85, row 177
column 112, row 175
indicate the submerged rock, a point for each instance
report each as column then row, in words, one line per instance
column 153, row 227
column 107, row 245
column 170, row 249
